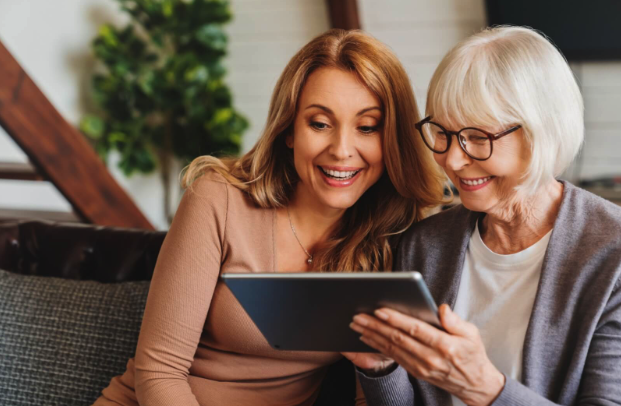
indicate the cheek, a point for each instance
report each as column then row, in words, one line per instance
column 440, row 160
column 371, row 151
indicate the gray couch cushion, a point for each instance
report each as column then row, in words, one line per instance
column 62, row 341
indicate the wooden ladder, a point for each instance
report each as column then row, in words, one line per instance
column 59, row 154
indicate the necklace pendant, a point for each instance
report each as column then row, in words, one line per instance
column 310, row 260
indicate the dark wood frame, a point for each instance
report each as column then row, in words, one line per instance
column 60, row 153
column 344, row 14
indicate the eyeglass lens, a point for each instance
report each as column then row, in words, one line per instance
column 476, row 143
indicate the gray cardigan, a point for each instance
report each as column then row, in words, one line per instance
column 572, row 348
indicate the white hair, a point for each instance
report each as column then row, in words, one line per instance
column 503, row 76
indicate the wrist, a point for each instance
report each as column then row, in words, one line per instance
column 384, row 369
column 497, row 384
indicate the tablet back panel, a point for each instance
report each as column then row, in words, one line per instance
column 312, row 312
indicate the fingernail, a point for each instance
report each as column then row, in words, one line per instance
column 380, row 314
column 356, row 327
column 360, row 320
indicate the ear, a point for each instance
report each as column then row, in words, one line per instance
column 289, row 141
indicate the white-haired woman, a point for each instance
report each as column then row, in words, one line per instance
column 529, row 265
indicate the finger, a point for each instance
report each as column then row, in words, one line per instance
column 428, row 367
column 418, row 329
column 392, row 338
column 453, row 324
column 366, row 360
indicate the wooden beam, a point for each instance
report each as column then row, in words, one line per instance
column 58, row 216
column 60, row 152
column 344, row 14
column 18, row 171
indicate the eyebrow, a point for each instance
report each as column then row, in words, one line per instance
column 327, row 110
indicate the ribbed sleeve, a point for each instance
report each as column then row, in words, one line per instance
column 181, row 291
column 393, row 389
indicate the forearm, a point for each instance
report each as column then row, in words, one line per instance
column 164, row 391
column 392, row 389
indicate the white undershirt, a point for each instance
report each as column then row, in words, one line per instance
column 496, row 294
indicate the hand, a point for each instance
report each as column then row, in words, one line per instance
column 373, row 364
column 454, row 360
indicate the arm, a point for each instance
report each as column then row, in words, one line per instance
column 360, row 398
column 183, row 283
column 392, row 389
column 460, row 367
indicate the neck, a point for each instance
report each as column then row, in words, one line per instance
column 522, row 221
column 313, row 222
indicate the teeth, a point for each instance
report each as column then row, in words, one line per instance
column 339, row 174
column 476, row 181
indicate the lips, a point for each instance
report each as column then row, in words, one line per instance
column 475, row 182
column 339, row 176
column 472, row 184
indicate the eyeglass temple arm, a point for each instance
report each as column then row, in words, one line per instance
column 509, row 131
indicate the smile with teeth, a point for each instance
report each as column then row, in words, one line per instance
column 475, row 182
column 339, row 175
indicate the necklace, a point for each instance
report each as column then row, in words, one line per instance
column 310, row 257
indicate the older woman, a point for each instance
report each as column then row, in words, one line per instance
column 527, row 268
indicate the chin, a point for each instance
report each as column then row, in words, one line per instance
column 342, row 203
column 476, row 205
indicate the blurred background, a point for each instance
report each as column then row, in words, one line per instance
column 53, row 42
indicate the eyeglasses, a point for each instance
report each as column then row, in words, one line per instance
column 476, row 143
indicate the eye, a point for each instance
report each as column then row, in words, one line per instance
column 318, row 125
column 367, row 129
column 441, row 134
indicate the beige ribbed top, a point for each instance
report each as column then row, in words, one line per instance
column 197, row 346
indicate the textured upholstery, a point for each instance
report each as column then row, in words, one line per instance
column 61, row 341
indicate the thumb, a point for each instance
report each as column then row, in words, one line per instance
column 452, row 323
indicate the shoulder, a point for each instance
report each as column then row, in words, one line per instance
column 457, row 219
column 214, row 187
column 583, row 208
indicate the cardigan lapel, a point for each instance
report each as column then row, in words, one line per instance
column 548, row 325
column 444, row 284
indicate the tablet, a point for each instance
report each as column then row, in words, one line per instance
column 312, row 311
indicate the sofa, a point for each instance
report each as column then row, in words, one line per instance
column 71, row 303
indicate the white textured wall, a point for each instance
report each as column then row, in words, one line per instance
column 51, row 39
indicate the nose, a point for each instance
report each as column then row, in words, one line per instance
column 455, row 158
column 342, row 144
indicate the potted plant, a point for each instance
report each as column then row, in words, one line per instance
column 161, row 89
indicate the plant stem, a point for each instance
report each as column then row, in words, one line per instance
column 165, row 166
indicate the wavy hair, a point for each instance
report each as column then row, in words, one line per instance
column 410, row 184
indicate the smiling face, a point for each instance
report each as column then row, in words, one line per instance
column 487, row 186
column 337, row 139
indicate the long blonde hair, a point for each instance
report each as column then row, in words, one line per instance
column 410, row 184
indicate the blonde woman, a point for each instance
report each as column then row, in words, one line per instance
column 531, row 266
column 338, row 170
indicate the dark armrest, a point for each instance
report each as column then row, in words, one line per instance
column 77, row 251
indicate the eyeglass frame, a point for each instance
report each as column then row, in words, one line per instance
column 492, row 137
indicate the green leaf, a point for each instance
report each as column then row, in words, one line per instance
column 92, row 126
column 212, row 36
column 108, row 34
column 117, row 137
column 197, row 74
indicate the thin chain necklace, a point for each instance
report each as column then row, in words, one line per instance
column 310, row 257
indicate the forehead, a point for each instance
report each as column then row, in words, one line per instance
column 339, row 90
